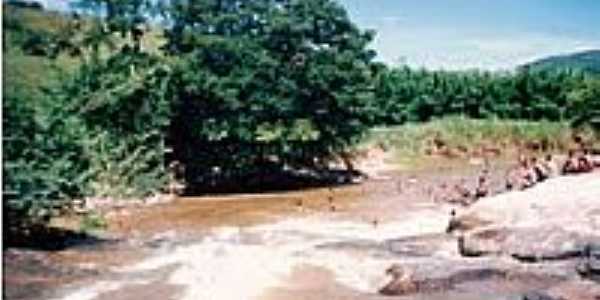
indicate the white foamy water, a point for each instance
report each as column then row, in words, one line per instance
column 92, row 292
column 234, row 263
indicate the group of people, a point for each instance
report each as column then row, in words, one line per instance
column 527, row 172
column 460, row 193
column 580, row 162
column 530, row 171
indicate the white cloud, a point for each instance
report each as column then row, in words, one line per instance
column 55, row 4
column 392, row 20
column 447, row 48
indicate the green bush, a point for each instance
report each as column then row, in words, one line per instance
column 97, row 131
column 41, row 160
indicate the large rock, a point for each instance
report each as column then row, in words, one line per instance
column 553, row 220
column 526, row 244
column 402, row 282
column 440, row 275
column 589, row 266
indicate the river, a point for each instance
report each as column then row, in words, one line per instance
column 328, row 243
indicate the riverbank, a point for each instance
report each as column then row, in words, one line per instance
column 326, row 243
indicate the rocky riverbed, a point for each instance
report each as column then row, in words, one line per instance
column 338, row 243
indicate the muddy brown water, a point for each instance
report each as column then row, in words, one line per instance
column 309, row 244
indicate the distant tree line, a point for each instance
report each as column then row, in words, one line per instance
column 409, row 95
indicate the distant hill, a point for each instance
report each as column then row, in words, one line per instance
column 587, row 61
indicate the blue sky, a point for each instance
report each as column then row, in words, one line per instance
column 464, row 34
column 487, row 34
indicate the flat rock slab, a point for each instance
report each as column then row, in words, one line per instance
column 526, row 244
column 575, row 290
column 434, row 275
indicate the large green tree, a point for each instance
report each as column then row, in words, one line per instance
column 289, row 80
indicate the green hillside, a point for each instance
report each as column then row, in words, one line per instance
column 42, row 48
column 587, row 61
column 29, row 36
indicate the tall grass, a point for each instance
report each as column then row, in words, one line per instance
column 410, row 141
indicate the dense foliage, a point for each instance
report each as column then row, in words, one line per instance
column 290, row 80
column 41, row 169
column 224, row 96
column 90, row 124
column 405, row 94
column 103, row 103
column 584, row 104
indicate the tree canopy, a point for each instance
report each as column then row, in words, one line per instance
column 273, row 76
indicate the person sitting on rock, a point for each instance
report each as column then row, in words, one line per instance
column 571, row 165
column 521, row 176
column 462, row 194
column 483, row 187
column 526, row 174
column 455, row 194
column 513, row 179
column 541, row 172
column 550, row 166
column 453, row 223
column 585, row 162
column 441, row 193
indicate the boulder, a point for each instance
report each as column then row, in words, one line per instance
column 589, row 265
column 554, row 220
column 568, row 202
column 402, row 282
